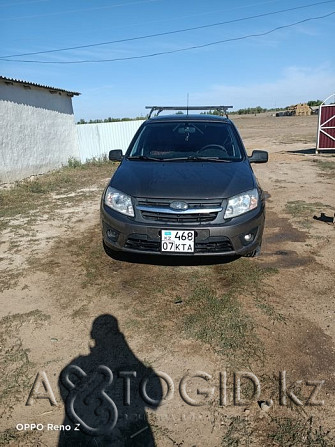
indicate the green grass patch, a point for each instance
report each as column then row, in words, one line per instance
column 198, row 301
column 217, row 315
column 268, row 309
column 238, row 433
column 325, row 165
column 300, row 208
column 276, row 431
column 221, row 321
column 204, row 304
column 299, row 432
column 37, row 193
column 243, row 274
column 13, row 437
column 74, row 163
column 9, row 279
column 8, row 436
column 17, row 370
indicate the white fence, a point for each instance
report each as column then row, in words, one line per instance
column 96, row 140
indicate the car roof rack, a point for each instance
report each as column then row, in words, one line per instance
column 159, row 109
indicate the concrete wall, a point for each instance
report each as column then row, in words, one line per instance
column 37, row 131
column 96, row 140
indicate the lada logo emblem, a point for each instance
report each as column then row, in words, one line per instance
column 176, row 205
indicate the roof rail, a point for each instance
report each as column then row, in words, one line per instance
column 222, row 109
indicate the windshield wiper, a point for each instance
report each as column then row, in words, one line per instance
column 143, row 157
column 224, row 160
column 190, row 158
column 193, row 158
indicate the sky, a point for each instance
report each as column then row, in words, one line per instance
column 134, row 53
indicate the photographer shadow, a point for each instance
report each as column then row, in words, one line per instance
column 106, row 393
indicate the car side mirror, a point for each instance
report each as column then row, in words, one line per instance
column 259, row 157
column 115, row 155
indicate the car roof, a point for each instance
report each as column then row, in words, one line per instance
column 189, row 117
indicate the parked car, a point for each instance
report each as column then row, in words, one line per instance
column 185, row 186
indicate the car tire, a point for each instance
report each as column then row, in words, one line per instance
column 254, row 253
column 114, row 254
column 109, row 251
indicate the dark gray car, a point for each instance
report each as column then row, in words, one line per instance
column 184, row 187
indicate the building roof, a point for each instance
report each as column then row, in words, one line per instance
column 25, row 83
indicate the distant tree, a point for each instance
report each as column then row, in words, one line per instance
column 111, row 120
column 314, row 103
column 251, row 110
column 213, row 112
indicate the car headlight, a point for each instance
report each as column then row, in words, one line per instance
column 242, row 203
column 119, row 201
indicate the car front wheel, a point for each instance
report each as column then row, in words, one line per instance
column 254, row 253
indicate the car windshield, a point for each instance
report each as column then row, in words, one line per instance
column 186, row 140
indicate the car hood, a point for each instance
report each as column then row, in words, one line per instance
column 181, row 180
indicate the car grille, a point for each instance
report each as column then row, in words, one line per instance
column 160, row 211
column 178, row 218
column 136, row 243
column 208, row 246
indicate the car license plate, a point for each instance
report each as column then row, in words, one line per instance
column 177, row 241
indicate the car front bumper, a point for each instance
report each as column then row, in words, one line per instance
column 122, row 233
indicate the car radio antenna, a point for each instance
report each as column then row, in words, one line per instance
column 187, row 103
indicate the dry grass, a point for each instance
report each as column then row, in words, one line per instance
column 205, row 302
column 17, row 369
column 27, row 196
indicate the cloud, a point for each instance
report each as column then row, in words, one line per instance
column 296, row 84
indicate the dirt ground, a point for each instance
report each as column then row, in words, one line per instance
column 269, row 318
